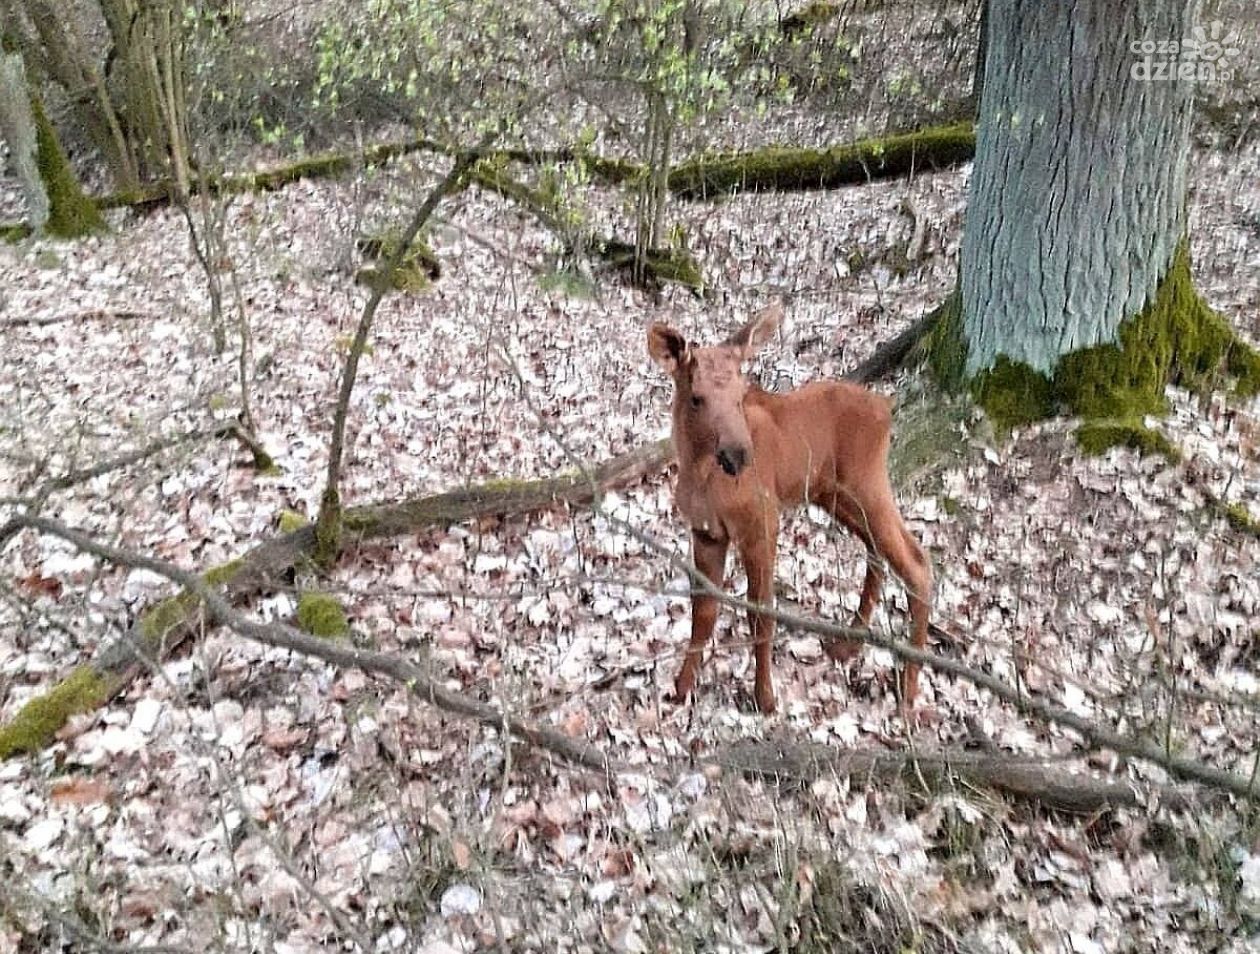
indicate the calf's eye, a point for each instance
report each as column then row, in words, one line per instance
column 697, row 401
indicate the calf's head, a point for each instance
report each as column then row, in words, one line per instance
column 709, row 388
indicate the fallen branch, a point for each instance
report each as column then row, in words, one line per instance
column 892, row 354
column 1097, row 736
column 99, row 314
column 74, row 477
column 169, row 623
column 216, row 609
column 1050, row 783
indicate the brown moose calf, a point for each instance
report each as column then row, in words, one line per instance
column 744, row 454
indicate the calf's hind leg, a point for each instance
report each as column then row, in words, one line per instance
column 902, row 551
column 848, row 514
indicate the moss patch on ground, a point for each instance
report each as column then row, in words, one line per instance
column 35, row 725
column 291, row 521
column 1176, row 339
column 1239, row 517
column 322, row 615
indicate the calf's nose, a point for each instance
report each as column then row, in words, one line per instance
column 732, row 459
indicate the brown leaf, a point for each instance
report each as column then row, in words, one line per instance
column 574, row 724
column 42, row 585
column 283, row 739
column 141, row 906
column 80, row 790
column 461, row 854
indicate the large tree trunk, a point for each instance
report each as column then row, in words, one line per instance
column 1078, row 193
column 1074, row 279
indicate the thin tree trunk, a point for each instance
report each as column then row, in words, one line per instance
column 17, row 128
column 328, row 522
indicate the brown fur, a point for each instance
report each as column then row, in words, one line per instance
column 744, row 454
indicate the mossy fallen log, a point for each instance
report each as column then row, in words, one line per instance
column 773, row 168
column 791, row 169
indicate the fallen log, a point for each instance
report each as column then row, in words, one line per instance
column 772, row 168
column 168, row 624
column 790, row 169
column 1049, row 783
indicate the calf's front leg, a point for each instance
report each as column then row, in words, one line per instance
column 757, row 554
column 709, row 556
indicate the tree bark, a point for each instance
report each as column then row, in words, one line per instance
column 17, row 126
column 1075, row 288
column 1078, row 193
column 1052, row 784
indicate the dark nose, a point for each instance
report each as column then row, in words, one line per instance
column 732, row 459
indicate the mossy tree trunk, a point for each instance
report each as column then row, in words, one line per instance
column 137, row 116
column 1074, row 285
column 56, row 201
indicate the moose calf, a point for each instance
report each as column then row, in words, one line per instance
column 744, row 454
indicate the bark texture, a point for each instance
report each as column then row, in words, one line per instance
column 1077, row 199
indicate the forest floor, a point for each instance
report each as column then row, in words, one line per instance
column 231, row 801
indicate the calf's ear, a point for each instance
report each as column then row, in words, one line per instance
column 667, row 347
column 759, row 329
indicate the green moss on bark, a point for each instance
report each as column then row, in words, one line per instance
column 322, row 615
column 71, row 214
column 1239, row 517
column 328, row 527
column 1176, row 339
column 1094, row 437
column 167, row 616
column 35, row 725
